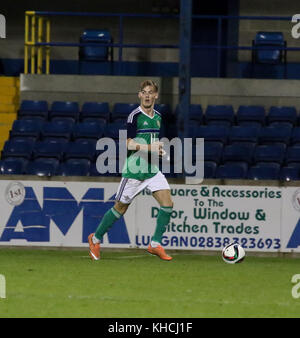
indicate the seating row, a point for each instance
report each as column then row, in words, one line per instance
column 61, row 149
column 62, row 128
column 84, row 167
column 254, row 114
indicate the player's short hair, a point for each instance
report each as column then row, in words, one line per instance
column 148, row 83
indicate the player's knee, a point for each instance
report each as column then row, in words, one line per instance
column 121, row 207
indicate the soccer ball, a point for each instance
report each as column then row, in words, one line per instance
column 233, row 253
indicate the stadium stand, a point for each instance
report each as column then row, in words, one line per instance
column 247, row 144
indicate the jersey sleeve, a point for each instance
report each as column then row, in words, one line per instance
column 132, row 126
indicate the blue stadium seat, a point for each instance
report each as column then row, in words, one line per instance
column 237, row 170
column 93, row 170
column 121, row 111
column 78, row 149
column 74, row 167
column 66, row 109
column 196, row 113
column 244, row 134
column 98, row 52
column 295, row 136
column 163, row 108
column 210, row 168
column 17, row 148
column 49, row 149
column 26, row 128
column 293, row 154
column 270, row 153
column 57, row 130
column 33, row 108
column 88, row 130
column 210, row 133
column 282, row 114
column 219, row 114
column 42, row 168
column 289, row 173
column 13, row 166
column 263, row 172
column 247, row 115
column 267, row 54
column 271, row 134
column 213, row 151
column 95, row 111
column 112, row 130
column 239, row 152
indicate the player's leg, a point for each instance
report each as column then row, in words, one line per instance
column 164, row 199
column 161, row 192
column 108, row 220
column 110, row 217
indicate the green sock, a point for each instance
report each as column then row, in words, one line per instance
column 163, row 219
column 109, row 218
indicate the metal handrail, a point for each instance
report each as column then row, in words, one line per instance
column 40, row 42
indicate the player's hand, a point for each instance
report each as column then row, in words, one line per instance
column 157, row 147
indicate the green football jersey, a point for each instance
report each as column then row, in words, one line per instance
column 143, row 129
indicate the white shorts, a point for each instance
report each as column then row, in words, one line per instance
column 129, row 188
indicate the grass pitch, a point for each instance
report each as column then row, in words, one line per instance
column 133, row 284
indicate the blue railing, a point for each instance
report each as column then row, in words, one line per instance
column 121, row 45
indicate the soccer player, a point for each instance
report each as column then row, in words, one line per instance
column 143, row 126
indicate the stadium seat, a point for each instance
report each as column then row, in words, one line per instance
column 95, row 111
column 210, row 133
column 263, row 172
column 244, row 134
column 295, row 136
column 17, row 148
column 163, row 108
column 238, row 152
column 210, row 168
column 49, row 149
column 289, row 173
column 93, row 170
column 92, row 130
column 13, row 166
column 80, row 149
column 121, row 111
column 33, row 108
column 74, row 167
column 196, row 113
column 26, row 128
column 219, row 114
column 42, row 168
column 282, row 114
column 98, row 52
column 268, row 50
column 270, row 153
column 65, row 109
column 271, row 134
column 293, row 154
column 213, row 151
column 57, row 130
column 264, row 50
column 251, row 115
column 237, row 170
column 112, row 130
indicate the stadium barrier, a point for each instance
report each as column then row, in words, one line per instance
column 38, row 42
column 62, row 213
